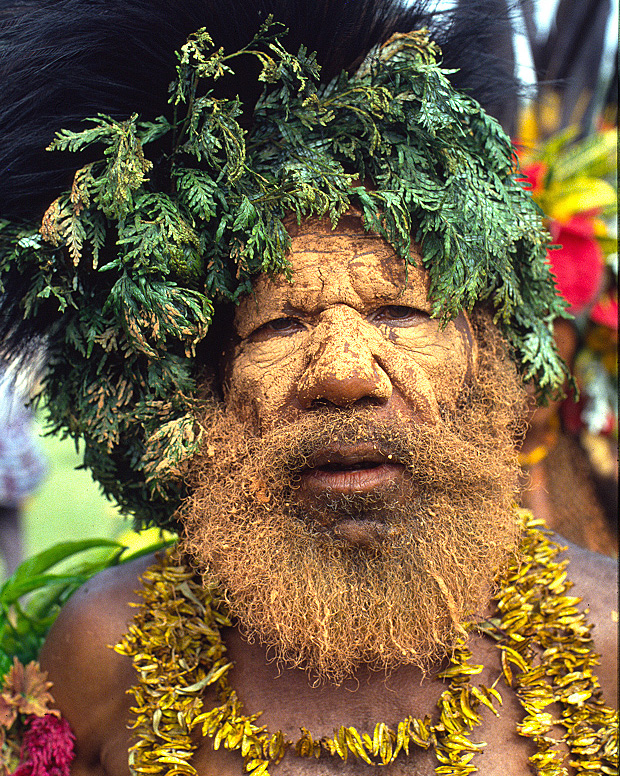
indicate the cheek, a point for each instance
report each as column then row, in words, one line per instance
column 443, row 356
column 262, row 379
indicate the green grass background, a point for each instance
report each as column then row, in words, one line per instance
column 68, row 504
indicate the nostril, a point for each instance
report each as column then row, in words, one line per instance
column 344, row 391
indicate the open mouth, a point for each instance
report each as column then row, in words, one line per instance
column 342, row 470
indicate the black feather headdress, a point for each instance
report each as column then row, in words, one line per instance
column 64, row 60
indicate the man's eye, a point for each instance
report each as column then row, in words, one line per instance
column 398, row 314
column 279, row 326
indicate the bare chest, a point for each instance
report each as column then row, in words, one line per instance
column 504, row 753
column 500, row 750
column 290, row 706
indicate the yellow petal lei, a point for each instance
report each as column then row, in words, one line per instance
column 546, row 656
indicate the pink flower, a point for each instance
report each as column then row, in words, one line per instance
column 47, row 748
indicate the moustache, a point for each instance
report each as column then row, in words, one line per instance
column 356, row 438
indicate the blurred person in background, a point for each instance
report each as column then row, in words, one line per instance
column 567, row 141
column 22, row 466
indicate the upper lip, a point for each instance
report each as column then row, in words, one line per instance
column 350, row 457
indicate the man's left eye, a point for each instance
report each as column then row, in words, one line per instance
column 396, row 313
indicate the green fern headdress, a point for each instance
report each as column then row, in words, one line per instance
column 128, row 266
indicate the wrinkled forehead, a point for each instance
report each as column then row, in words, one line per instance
column 342, row 265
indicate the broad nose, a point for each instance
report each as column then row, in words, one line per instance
column 342, row 367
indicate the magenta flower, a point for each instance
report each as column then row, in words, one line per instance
column 47, row 748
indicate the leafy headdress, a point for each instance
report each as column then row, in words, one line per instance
column 127, row 267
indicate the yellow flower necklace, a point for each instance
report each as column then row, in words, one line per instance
column 546, row 658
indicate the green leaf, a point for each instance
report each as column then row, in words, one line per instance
column 33, row 567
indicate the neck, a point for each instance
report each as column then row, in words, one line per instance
column 290, row 697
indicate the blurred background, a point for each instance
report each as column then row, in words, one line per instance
column 68, row 504
column 46, row 497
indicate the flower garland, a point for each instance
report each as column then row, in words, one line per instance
column 549, row 641
column 178, row 652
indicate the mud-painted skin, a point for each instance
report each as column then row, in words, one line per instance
column 341, row 343
column 353, row 326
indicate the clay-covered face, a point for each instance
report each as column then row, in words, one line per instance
column 351, row 332
column 351, row 329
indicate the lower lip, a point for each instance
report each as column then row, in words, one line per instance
column 344, row 481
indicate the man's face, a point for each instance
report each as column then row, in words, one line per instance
column 354, row 494
column 351, row 331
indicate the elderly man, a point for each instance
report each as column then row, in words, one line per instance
column 350, row 524
column 353, row 587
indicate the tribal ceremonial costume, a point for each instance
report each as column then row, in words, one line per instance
column 128, row 278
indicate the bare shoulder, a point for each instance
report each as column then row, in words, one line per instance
column 595, row 579
column 89, row 678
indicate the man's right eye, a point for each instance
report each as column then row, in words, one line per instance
column 278, row 327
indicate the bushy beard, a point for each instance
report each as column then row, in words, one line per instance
column 328, row 605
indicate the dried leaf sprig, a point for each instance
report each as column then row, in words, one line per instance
column 548, row 641
column 24, row 697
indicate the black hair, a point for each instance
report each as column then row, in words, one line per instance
column 64, row 60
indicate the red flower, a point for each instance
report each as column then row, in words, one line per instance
column 578, row 265
column 47, row 749
column 605, row 311
column 534, row 176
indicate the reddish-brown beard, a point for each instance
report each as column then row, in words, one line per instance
column 326, row 605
